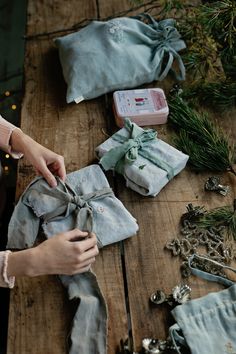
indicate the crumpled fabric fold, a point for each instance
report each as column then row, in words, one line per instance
column 207, row 325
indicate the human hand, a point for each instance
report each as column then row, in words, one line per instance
column 46, row 162
column 67, row 253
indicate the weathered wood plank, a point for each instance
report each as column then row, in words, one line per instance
column 148, row 265
column 73, row 131
column 33, row 327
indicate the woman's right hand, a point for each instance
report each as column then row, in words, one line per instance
column 68, row 253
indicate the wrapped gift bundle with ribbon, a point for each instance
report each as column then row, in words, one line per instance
column 87, row 202
column 117, row 54
column 146, row 162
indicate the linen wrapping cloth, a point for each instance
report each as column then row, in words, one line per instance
column 87, row 202
column 207, row 325
column 146, row 162
column 117, row 54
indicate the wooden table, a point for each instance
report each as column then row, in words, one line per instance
column 129, row 272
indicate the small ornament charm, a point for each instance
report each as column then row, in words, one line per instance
column 176, row 90
column 158, row 297
column 152, row 346
column 124, row 347
column 181, row 293
column 158, row 346
column 193, row 213
column 213, row 184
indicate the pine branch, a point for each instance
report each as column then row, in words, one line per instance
column 200, row 138
column 201, row 57
column 221, row 95
column 222, row 216
column 219, row 19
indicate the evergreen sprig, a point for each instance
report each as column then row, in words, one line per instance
column 221, row 216
column 201, row 57
column 169, row 5
column 200, row 138
column 221, row 95
column 219, row 20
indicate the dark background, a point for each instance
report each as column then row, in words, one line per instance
column 12, row 45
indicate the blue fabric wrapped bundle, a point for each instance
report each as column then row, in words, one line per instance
column 85, row 201
column 146, row 162
column 118, row 54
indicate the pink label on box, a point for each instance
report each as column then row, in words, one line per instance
column 158, row 100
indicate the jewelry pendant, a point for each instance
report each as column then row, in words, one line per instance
column 213, row 184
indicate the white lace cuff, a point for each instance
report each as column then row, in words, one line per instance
column 5, row 281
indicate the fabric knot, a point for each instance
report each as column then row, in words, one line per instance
column 69, row 202
column 78, row 201
column 137, row 143
column 133, row 146
column 166, row 42
column 127, row 153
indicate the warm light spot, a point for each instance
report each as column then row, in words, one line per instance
column 7, row 93
column 7, row 156
column 13, row 106
column 6, row 168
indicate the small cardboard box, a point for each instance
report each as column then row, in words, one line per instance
column 142, row 106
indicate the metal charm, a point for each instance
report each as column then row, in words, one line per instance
column 158, row 297
column 157, row 346
column 209, row 241
column 193, row 213
column 213, row 184
column 175, row 90
column 180, row 294
column 151, row 345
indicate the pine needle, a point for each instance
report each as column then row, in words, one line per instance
column 200, row 138
column 216, row 94
column 222, row 216
column 219, row 18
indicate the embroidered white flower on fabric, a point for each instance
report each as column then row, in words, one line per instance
column 116, row 29
column 100, row 209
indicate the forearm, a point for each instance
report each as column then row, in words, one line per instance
column 19, row 141
column 6, row 131
column 23, row 263
column 68, row 253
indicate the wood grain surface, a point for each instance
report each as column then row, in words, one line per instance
column 129, row 272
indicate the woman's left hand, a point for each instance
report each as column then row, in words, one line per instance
column 46, row 162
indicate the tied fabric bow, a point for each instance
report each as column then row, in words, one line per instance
column 131, row 147
column 166, row 41
column 91, row 312
column 69, row 202
column 85, row 196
